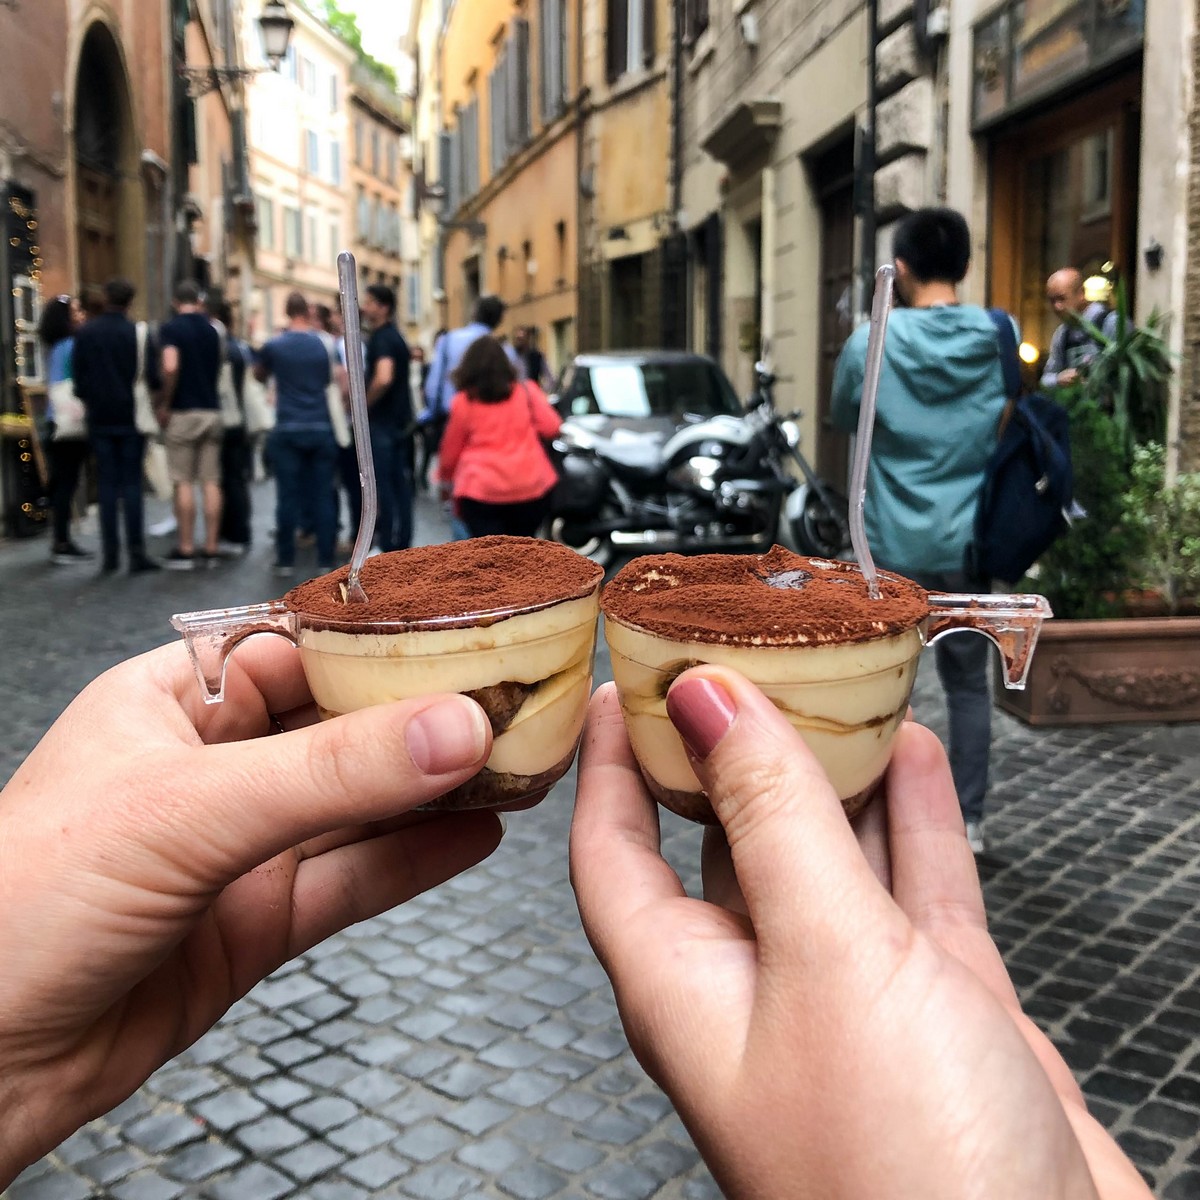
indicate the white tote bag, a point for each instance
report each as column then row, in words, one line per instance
column 70, row 417
column 143, row 405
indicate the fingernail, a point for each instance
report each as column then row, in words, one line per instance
column 702, row 711
column 447, row 736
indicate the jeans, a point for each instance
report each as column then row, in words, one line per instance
column 235, row 487
column 304, row 462
column 66, row 463
column 119, row 453
column 393, row 524
column 962, row 666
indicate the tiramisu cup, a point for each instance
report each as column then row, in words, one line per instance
column 510, row 622
column 838, row 664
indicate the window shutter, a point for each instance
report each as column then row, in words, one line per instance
column 559, row 54
column 445, row 158
column 545, row 44
column 648, row 30
column 495, row 119
column 524, row 76
column 618, row 38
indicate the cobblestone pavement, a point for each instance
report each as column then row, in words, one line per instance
column 467, row 1043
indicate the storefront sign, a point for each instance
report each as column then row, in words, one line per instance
column 1030, row 48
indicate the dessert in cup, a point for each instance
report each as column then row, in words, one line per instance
column 510, row 622
column 838, row 663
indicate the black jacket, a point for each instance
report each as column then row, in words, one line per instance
column 103, row 363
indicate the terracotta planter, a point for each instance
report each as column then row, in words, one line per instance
column 1101, row 672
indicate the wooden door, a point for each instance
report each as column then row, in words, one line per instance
column 97, row 218
column 833, row 183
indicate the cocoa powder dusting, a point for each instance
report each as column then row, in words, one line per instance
column 773, row 599
column 458, row 581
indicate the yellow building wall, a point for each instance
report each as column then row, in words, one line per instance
column 633, row 148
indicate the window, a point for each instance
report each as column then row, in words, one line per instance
column 552, row 57
column 469, row 148
column 289, row 64
column 630, row 43
column 394, row 220
column 375, row 232
column 362, row 225
column 334, row 93
column 359, row 139
column 392, row 147
column 308, row 76
column 412, row 293
column 375, row 152
column 293, row 236
column 335, row 162
column 335, row 238
column 695, row 19
column 509, row 108
column 314, row 252
column 312, row 152
column 264, row 215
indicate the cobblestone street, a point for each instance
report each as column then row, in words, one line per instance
column 467, row 1044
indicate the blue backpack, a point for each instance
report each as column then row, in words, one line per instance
column 1027, row 485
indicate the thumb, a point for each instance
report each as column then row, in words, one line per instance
column 223, row 809
column 795, row 855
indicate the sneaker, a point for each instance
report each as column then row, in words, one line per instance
column 207, row 559
column 282, row 572
column 69, row 555
column 164, row 527
column 143, row 563
column 233, row 549
column 975, row 837
column 178, row 561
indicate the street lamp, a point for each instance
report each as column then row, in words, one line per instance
column 275, row 28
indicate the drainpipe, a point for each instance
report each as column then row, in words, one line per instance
column 677, row 115
column 866, row 164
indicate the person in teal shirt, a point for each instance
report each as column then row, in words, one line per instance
column 941, row 395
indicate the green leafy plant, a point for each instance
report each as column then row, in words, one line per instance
column 345, row 25
column 1087, row 571
column 1164, row 521
column 1129, row 375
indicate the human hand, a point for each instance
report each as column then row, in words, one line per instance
column 832, row 1020
column 1067, row 376
column 160, row 856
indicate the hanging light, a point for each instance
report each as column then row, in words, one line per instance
column 276, row 28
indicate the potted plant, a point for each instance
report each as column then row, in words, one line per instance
column 1125, row 576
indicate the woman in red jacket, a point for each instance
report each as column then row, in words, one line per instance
column 491, row 454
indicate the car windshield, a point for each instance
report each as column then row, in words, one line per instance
column 675, row 389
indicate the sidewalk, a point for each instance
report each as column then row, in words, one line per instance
column 467, row 1044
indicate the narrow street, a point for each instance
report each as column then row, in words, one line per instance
column 468, row 1044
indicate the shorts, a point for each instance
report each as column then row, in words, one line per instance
column 193, row 441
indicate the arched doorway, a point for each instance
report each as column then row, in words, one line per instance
column 108, row 199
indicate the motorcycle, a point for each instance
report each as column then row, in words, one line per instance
column 714, row 484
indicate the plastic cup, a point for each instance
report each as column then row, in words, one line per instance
column 846, row 699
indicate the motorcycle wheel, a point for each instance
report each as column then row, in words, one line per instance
column 819, row 532
column 598, row 547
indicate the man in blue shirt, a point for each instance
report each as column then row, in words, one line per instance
column 302, row 445
column 941, row 394
column 447, row 354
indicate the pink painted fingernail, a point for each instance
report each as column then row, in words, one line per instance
column 702, row 711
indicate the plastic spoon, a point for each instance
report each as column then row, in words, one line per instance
column 352, row 589
column 881, row 307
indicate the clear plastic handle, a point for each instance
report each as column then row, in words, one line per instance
column 211, row 635
column 1011, row 623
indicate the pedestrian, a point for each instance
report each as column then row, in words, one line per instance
column 1072, row 347
column 302, row 446
column 941, row 394
column 449, row 349
column 327, row 325
column 67, row 446
column 236, row 464
column 492, row 455
column 430, row 426
column 193, row 426
column 112, row 358
column 829, row 1019
column 389, row 408
column 536, row 368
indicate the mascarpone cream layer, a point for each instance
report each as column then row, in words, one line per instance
column 846, row 701
column 552, row 648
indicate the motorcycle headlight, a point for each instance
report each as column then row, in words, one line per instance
column 791, row 431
